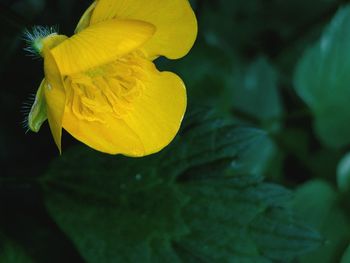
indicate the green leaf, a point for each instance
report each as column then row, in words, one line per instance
column 196, row 201
column 281, row 237
column 233, row 221
column 255, row 92
column 11, row 252
column 253, row 146
column 343, row 174
column 316, row 203
column 256, row 99
column 114, row 208
column 322, row 81
column 346, row 256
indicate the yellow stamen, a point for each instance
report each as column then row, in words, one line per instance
column 111, row 88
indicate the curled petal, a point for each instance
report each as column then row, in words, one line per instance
column 147, row 126
column 157, row 115
column 174, row 19
column 55, row 97
column 84, row 21
column 100, row 43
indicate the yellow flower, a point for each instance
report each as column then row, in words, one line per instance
column 101, row 84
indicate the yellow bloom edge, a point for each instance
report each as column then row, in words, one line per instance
column 101, row 84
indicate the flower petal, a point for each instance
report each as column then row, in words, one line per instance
column 55, row 97
column 157, row 114
column 147, row 127
column 174, row 19
column 38, row 114
column 100, row 43
column 85, row 19
column 113, row 136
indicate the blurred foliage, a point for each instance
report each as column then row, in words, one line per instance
column 191, row 198
column 322, row 81
column 346, row 257
column 317, row 203
column 10, row 252
column 343, row 174
column 259, row 172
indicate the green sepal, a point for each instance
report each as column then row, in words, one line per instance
column 37, row 115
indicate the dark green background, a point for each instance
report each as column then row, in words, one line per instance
column 242, row 69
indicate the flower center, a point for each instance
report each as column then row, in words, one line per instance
column 112, row 88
